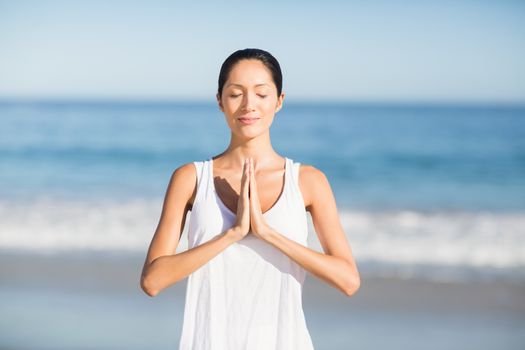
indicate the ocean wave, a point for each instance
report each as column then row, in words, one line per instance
column 397, row 241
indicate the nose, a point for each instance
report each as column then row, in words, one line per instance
column 247, row 104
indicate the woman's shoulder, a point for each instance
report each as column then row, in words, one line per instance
column 189, row 168
column 309, row 173
column 185, row 170
column 312, row 182
column 184, row 180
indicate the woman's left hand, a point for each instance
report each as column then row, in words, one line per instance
column 259, row 227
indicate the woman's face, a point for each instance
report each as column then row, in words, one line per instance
column 249, row 98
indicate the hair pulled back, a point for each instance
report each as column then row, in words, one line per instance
column 251, row 54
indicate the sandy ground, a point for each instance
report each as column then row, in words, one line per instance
column 90, row 293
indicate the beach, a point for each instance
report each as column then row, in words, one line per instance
column 431, row 199
column 93, row 300
column 405, row 125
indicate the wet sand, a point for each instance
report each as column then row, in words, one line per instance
column 93, row 300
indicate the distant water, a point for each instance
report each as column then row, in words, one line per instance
column 419, row 188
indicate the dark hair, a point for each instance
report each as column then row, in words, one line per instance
column 256, row 54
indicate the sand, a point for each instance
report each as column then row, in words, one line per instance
column 93, row 300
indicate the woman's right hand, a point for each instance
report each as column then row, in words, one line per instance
column 242, row 223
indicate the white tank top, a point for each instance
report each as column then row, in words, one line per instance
column 249, row 296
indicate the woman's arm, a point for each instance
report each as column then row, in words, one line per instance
column 163, row 267
column 337, row 266
column 167, row 270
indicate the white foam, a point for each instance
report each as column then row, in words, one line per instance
column 389, row 238
column 53, row 225
column 452, row 238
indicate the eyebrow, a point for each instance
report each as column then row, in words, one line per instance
column 241, row 85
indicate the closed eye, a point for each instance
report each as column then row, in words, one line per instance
column 261, row 96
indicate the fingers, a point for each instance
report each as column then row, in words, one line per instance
column 243, row 212
column 254, row 198
column 253, row 188
column 250, row 175
column 245, row 179
column 244, row 174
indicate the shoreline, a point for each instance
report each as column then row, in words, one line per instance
column 94, row 299
column 120, row 272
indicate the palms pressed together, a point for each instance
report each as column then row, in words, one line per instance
column 249, row 212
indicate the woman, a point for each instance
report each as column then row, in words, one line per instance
column 247, row 239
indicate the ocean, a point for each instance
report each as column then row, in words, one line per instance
column 422, row 190
column 431, row 199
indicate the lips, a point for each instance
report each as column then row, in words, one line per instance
column 248, row 120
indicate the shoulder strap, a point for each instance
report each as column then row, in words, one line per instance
column 295, row 172
column 198, row 168
column 201, row 174
column 295, row 183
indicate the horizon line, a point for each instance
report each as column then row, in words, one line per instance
column 142, row 100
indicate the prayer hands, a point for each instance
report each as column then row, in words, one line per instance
column 249, row 214
column 258, row 224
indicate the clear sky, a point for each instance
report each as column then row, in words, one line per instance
column 402, row 51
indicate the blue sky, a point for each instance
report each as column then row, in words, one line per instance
column 400, row 51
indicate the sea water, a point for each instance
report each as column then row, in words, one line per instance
column 422, row 190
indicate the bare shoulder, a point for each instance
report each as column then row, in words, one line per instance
column 174, row 209
column 185, row 170
column 183, row 182
column 312, row 182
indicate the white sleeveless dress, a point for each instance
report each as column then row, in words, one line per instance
column 249, row 296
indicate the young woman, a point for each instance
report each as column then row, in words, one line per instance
column 247, row 237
